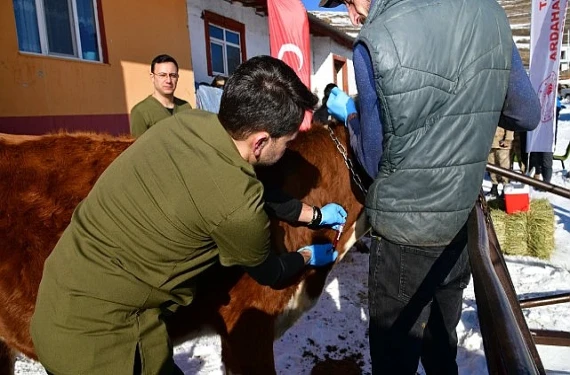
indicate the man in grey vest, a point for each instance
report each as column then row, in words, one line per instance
column 433, row 78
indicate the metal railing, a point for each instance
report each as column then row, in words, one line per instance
column 529, row 180
column 510, row 346
column 543, row 336
column 508, row 343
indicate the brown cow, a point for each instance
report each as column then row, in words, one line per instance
column 43, row 178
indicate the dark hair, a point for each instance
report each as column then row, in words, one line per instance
column 327, row 92
column 264, row 94
column 162, row 59
column 219, row 81
column 322, row 114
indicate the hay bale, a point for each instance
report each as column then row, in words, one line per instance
column 516, row 234
column 541, row 229
column 526, row 233
column 499, row 223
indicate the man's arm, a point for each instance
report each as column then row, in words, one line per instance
column 521, row 110
column 243, row 239
column 282, row 206
column 277, row 270
column 366, row 127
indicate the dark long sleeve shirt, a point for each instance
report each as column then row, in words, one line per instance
column 521, row 110
column 279, row 270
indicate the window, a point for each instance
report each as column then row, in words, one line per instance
column 225, row 44
column 66, row 28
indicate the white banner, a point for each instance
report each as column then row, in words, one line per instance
column 546, row 30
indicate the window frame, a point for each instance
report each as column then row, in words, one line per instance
column 340, row 66
column 224, row 23
column 76, row 38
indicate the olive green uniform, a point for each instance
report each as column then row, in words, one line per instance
column 169, row 207
column 150, row 111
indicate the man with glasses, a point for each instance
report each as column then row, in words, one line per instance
column 162, row 103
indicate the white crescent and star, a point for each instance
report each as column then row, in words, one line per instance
column 293, row 48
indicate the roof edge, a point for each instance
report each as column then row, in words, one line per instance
column 319, row 27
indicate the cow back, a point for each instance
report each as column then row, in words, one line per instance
column 44, row 178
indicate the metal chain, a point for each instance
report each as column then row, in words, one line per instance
column 347, row 161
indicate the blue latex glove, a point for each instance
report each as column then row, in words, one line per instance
column 340, row 105
column 333, row 216
column 321, row 254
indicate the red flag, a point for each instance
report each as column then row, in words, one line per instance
column 290, row 41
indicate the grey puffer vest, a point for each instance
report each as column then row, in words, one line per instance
column 441, row 70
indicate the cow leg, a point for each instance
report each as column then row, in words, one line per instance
column 249, row 347
column 7, row 359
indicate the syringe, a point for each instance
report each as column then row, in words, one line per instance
column 337, row 237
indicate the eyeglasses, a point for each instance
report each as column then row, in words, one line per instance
column 165, row 75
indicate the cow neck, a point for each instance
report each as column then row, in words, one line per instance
column 342, row 150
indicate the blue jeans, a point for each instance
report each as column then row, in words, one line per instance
column 415, row 300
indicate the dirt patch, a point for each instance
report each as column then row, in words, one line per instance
column 346, row 366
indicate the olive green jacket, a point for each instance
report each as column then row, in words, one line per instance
column 172, row 205
column 150, row 111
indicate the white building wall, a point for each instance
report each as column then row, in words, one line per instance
column 256, row 31
column 323, row 49
column 257, row 43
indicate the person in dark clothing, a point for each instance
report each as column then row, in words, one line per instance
column 424, row 140
column 322, row 114
column 519, row 151
column 542, row 164
column 542, row 161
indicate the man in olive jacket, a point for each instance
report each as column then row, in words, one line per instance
column 161, row 103
column 181, row 198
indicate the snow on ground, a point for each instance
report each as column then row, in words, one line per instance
column 337, row 327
